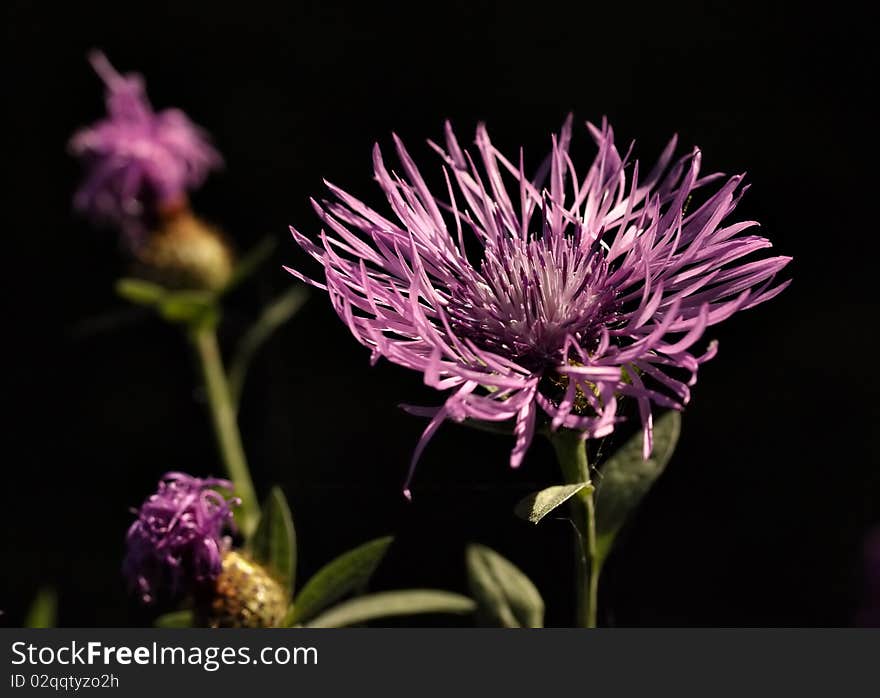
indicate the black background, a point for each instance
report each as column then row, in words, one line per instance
column 761, row 516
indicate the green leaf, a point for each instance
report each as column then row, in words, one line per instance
column 289, row 618
column 505, row 595
column 175, row 619
column 626, row 478
column 274, row 542
column 193, row 308
column 43, row 612
column 347, row 573
column 140, row 292
column 407, row 602
column 274, row 315
column 538, row 504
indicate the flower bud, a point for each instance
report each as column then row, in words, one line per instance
column 245, row 595
column 185, row 253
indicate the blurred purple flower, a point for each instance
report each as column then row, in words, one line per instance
column 176, row 543
column 581, row 290
column 138, row 161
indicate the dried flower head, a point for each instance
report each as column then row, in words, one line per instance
column 245, row 595
column 138, row 161
column 177, row 544
column 583, row 289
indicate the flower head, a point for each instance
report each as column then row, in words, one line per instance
column 580, row 289
column 138, row 161
column 185, row 252
column 245, row 595
column 177, row 542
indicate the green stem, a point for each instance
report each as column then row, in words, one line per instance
column 571, row 452
column 207, row 350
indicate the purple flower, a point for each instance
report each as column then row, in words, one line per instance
column 553, row 296
column 138, row 161
column 176, row 543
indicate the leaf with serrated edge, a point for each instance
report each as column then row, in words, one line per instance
column 538, row 504
column 502, row 590
column 626, row 478
column 274, row 542
column 345, row 574
column 406, row 602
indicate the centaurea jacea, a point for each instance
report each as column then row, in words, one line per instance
column 587, row 288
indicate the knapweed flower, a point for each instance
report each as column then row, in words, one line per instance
column 177, row 543
column 138, row 161
column 551, row 296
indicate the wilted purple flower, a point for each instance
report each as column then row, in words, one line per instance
column 177, row 543
column 137, row 160
column 583, row 289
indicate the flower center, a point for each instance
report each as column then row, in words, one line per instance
column 530, row 295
